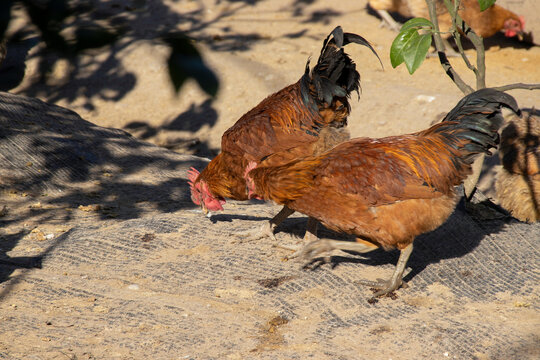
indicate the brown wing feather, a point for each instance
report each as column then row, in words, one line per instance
column 277, row 122
column 390, row 169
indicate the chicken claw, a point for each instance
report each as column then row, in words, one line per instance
column 266, row 230
column 386, row 287
column 383, row 287
column 311, row 250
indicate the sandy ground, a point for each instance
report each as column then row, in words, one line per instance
column 256, row 48
column 103, row 256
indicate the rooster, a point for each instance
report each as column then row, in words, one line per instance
column 386, row 191
column 484, row 23
column 293, row 117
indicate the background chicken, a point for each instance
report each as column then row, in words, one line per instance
column 484, row 23
column 387, row 191
column 518, row 181
column 291, row 118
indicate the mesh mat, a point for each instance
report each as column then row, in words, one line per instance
column 158, row 280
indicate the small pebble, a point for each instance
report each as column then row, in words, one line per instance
column 133, row 287
column 425, row 98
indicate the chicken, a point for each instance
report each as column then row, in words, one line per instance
column 518, row 181
column 484, row 23
column 386, row 191
column 291, row 118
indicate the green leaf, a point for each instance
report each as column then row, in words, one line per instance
column 415, row 51
column 484, row 4
column 410, row 46
column 186, row 62
column 417, row 23
column 396, row 50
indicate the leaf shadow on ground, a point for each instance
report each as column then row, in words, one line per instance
column 192, row 120
column 59, row 169
column 100, row 73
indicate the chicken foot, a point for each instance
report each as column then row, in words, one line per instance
column 267, row 229
column 320, row 246
column 396, row 280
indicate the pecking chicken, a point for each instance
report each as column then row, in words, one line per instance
column 518, row 181
column 293, row 117
column 386, row 191
column 484, row 23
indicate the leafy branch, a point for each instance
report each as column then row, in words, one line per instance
column 412, row 44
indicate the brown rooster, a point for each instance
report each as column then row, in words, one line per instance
column 484, row 23
column 291, row 118
column 387, row 191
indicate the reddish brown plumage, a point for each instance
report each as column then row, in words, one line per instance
column 292, row 118
column 389, row 190
column 376, row 189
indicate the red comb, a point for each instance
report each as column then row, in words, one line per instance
column 252, row 165
column 192, row 175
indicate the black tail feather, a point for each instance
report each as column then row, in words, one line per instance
column 335, row 73
column 477, row 118
column 484, row 100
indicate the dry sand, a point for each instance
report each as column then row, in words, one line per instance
column 189, row 293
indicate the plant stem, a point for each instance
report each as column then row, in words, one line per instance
column 478, row 43
column 518, row 86
column 466, row 89
column 453, row 10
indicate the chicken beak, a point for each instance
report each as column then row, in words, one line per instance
column 204, row 209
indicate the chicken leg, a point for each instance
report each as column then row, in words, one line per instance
column 320, row 246
column 267, row 230
column 311, row 230
column 309, row 236
column 396, row 280
column 314, row 248
column 388, row 21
